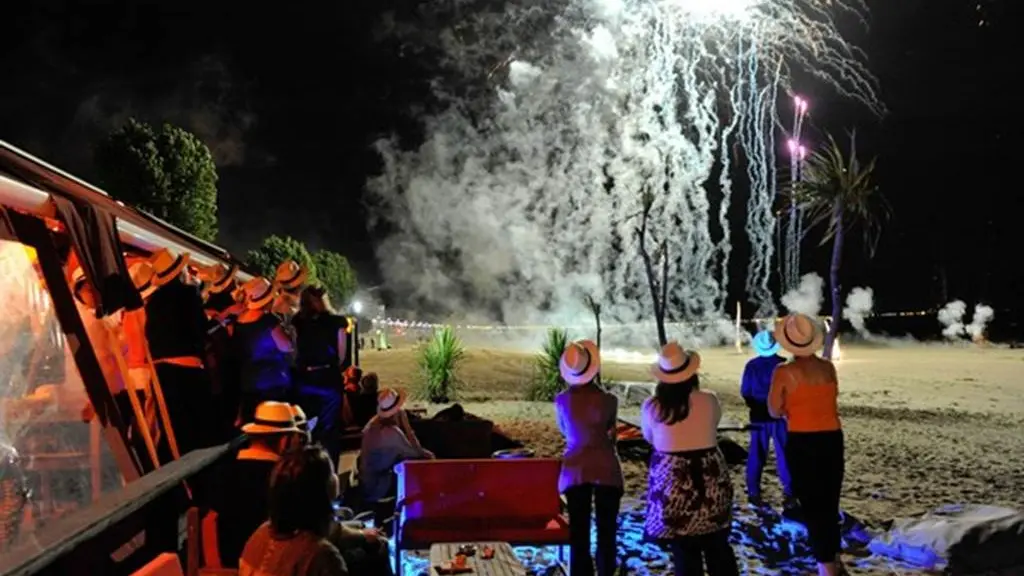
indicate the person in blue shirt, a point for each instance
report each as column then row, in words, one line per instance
column 764, row 429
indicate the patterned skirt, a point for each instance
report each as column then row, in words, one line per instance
column 689, row 494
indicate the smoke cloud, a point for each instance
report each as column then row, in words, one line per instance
column 951, row 316
column 982, row 317
column 859, row 304
column 206, row 102
column 806, row 298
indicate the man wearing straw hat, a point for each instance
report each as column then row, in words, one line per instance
column 243, row 504
column 383, row 446
column 764, row 429
column 176, row 333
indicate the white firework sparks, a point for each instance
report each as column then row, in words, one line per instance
column 561, row 114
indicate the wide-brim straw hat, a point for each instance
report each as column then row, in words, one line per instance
column 141, row 273
column 675, row 364
column 218, row 277
column 390, row 401
column 300, row 417
column 167, row 266
column 799, row 334
column 290, row 275
column 580, row 362
column 272, row 418
column 259, row 293
column 764, row 344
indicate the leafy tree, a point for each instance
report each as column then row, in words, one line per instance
column 337, row 276
column 276, row 249
column 838, row 192
column 167, row 172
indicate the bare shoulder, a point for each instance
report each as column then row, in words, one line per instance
column 708, row 396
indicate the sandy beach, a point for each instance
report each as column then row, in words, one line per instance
column 925, row 425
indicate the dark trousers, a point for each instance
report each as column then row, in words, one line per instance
column 691, row 553
column 817, row 463
column 138, row 444
column 189, row 400
column 325, row 404
column 762, row 435
column 605, row 500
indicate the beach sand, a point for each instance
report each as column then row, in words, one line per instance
column 925, row 426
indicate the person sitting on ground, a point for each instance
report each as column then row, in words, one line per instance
column 805, row 392
column 301, row 537
column 689, row 495
column 764, row 429
column 591, row 472
column 384, row 445
column 242, row 505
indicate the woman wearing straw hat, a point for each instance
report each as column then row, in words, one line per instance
column 689, row 497
column 262, row 348
column 176, row 332
column 591, row 472
column 804, row 391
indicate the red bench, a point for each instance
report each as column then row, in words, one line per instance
column 514, row 501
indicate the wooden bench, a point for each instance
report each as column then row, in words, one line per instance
column 514, row 501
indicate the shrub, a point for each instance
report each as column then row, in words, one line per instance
column 439, row 362
column 547, row 378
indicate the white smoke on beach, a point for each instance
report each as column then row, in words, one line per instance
column 951, row 316
column 806, row 298
column 982, row 317
column 859, row 304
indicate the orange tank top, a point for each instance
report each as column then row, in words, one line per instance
column 806, row 407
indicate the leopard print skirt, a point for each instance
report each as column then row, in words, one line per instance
column 688, row 494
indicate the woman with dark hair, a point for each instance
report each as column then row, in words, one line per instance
column 302, row 537
column 323, row 355
column 294, row 542
column 805, row 392
column 591, row 476
column 263, row 349
column 689, row 498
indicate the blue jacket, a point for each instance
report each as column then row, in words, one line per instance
column 754, row 386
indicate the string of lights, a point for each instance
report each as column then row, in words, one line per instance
column 415, row 324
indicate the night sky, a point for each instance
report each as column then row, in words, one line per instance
column 290, row 95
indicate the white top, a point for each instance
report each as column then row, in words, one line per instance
column 699, row 430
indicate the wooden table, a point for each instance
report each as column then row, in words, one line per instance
column 504, row 563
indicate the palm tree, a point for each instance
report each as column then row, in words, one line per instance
column 837, row 191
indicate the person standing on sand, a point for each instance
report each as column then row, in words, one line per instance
column 804, row 391
column 689, row 494
column 764, row 430
column 591, row 472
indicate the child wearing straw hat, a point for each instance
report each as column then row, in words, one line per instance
column 764, row 429
column 805, row 391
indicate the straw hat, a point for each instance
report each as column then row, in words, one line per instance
column 141, row 273
column 218, row 277
column 166, row 266
column 799, row 334
column 290, row 275
column 272, row 418
column 580, row 363
column 764, row 344
column 390, row 401
column 299, row 415
column 259, row 292
column 675, row 364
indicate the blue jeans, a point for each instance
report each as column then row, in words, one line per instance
column 761, row 435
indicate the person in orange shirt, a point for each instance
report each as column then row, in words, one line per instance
column 804, row 391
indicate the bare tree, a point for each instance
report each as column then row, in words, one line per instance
column 659, row 290
column 595, row 308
